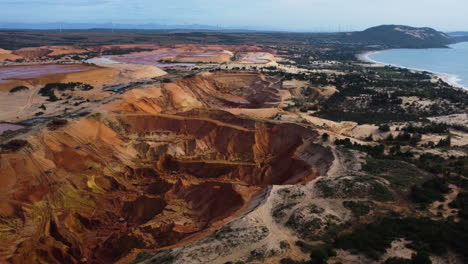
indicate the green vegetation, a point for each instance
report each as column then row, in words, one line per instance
column 19, row 89
column 56, row 124
column 430, row 191
column 14, row 145
column 400, row 174
column 426, row 235
column 419, row 258
column 319, row 254
column 389, row 36
column 384, row 128
column 49, row 89
column 307, row 228
column 280, row 210
column 404, row 139
column 432, row 128
column 367, row 117
column 446, row 142
column 359, row 208
column 375, row 96
column 364, row 187
column 325, row 137
column 439, row 165
column 374, row 151
column 429, row 162
column 461, row 203
column 123, row 51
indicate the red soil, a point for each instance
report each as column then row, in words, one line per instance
column 94, row 190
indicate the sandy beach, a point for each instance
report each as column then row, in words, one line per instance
column 448, row 78
column 364, row 57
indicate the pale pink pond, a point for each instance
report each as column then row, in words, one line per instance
column 5, row 127
column 255, row 58
column 34, row 71
column 150, row 59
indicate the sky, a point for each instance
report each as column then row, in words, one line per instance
column 289, row 15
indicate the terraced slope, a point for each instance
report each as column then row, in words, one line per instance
column 160, row 166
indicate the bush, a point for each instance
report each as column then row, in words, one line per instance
column 446, row 142
column 461, row 203
column 320, row 254
column 430, row 191
column 359, row 208
column 14, row 145
column 421, row 258
column 435, row 128
column 325, row 137
column 57, row 123
column 19, row 88
column 394, row 260
column 49, row 89
column 426, row 235
column 374, row 151
column 384, row 128
column 291, row 261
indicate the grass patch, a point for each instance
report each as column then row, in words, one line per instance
column 400, row 174
column 359, row 208
column 355, row 187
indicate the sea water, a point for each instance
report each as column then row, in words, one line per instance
column 451, row 62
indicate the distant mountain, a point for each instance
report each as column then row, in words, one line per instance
column 458, row 33
column 459, row 36
column 397, row 36
column 76, row 26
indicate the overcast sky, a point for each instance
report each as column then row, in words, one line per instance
column 294, row 15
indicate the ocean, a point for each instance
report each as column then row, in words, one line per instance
column 452, row 62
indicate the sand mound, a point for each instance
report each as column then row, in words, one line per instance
column 8, row 55
column 63, row 50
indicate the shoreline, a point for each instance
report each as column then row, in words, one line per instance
column 451, row 79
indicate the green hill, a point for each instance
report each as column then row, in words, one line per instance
column 396, row 36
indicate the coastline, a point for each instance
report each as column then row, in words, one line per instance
column 451, row 79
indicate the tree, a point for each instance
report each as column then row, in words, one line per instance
column 421, row 258
column 325, row 137
column 320, row 254
column 446, row 142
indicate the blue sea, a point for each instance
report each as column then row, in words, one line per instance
column 452, row 62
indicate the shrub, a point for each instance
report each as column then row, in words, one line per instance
column 430, row 191
column 421, row 258
column 461, row 203
column 384, row 128
column 325, row 137
column 49, row 89
column 57, row 123
column 358, row 208
column 320, row 254
column 14, row 145
column 425, row 235
column 19, row 88
column 446, row 142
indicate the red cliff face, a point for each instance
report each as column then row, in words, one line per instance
column 142, row 177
